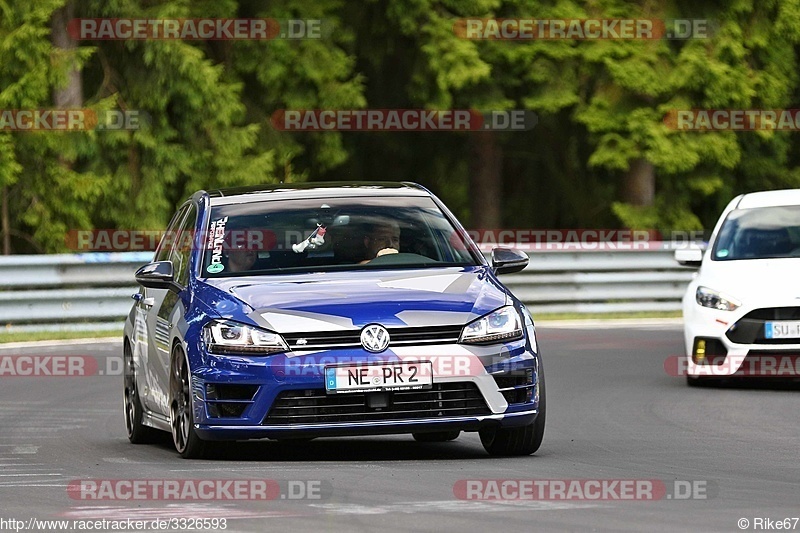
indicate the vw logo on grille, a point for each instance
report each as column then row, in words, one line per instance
column 374, row 338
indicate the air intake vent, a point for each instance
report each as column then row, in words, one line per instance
column 314, row 406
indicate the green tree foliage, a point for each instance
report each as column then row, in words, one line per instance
column 203, row 108
column 600, row 145
column 44, row 197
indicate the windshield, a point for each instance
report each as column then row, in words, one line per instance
column 764, row 232
column 331, row 234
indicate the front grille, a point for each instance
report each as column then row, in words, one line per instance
column 775, row 313
column 314, row 406
column 771, row 363
column 750, row 328
column 324, row 340
column 789, row 354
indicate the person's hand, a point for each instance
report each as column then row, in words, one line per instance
column 386, row 251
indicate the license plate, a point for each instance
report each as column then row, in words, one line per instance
column 376, row 378
column 782, row 330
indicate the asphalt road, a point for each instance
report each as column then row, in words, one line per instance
column 613, row 414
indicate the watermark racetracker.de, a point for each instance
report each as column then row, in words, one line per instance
column 199, row 489
column 382, row 120
column 583, row 489
column 522, row 29
column 266, row 240
column 71, row 120
column 733, row 119
column 67, row 366
column 197, row 29
column 774, row 365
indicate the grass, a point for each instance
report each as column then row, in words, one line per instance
column 27, row 336
column 609, row 316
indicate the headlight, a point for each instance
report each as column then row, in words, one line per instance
column 715, row 300
column 227, row 337
column 500, row 325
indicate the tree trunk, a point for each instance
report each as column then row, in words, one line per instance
column 5, row 223
column 71, row 95
column 639, row 185
column 485, row 181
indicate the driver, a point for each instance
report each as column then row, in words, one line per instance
column 382, row 238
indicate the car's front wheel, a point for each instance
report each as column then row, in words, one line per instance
column 138, row 433
column 523, row 440
column 186, row 440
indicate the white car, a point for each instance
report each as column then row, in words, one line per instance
column 743, row 306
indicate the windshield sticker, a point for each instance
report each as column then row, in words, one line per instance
column 216, row 236
column 722, row 253
column 317, row 238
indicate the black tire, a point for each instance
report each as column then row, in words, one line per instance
column 438, row 436
column 523, row 440
column 693, row 381
column 181, row 417
column 138, row 433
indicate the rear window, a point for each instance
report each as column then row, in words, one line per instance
column 759, row 233
column 331, row 234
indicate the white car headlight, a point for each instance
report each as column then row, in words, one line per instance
column 497, row 326
column 716, row 300
column 227, row 337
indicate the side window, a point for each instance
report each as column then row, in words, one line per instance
column 182, row 250
column 164, row 249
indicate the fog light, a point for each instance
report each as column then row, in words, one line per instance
column 700, row 350
column 708, row 352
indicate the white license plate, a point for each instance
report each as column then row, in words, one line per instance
column 782, row 330
column 376, row 378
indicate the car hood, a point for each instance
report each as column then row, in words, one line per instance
column 346, row 300
column 753, row 278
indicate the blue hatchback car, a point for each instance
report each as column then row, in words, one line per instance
column 315, row 310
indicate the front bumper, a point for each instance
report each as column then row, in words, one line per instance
column 486, row 387
column 387, row 427
column 733, row 343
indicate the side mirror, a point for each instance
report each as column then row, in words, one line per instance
column 157, row 275
column 508, row 260
column 691, row 257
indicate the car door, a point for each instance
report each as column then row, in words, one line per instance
column 159, row 304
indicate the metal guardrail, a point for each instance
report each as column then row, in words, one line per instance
column 601, row 281
column 80, row 291
column 92, row 291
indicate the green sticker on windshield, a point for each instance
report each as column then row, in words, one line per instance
column 215, row 268
column 722, row 253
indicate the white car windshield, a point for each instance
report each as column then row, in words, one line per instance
column 759, row 233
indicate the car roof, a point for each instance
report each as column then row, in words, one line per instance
column 769, row 199
column 330, row 189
